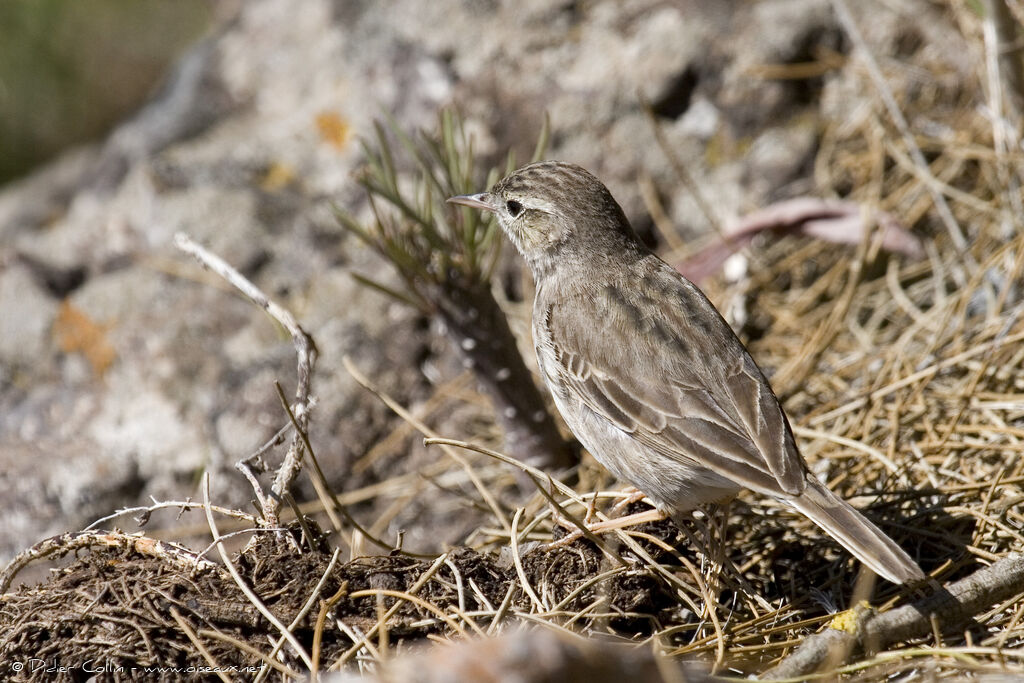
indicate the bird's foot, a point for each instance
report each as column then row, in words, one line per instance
column 630, row 495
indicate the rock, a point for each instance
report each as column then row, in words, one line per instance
column 25, row 324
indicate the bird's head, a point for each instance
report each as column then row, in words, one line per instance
column 551, row 210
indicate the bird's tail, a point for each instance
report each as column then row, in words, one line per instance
column 864, row 540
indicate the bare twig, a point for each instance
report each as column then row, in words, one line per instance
column 144, row 512
column 173, row 553
column 305, row 347
column 318, row 631
column 952, row 606
column 332, row 505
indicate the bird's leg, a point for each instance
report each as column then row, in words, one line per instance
column 652, row 515
column 710, row 542
column 631, row 495
column 591, row 510
column 567, row 523
column 716, row 521
column 711, row 551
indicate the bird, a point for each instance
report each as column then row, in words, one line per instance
column 646, row 372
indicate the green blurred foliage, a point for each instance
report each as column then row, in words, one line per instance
column 70, row 69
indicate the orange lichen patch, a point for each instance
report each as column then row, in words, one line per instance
column 333, row 128
column 277, row 176
column 75, row 332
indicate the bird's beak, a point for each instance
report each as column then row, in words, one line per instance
column 484, row 200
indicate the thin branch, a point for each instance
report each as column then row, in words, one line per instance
column 305, row 348
column 183, row 506
column 951, row 607
column 175, row 554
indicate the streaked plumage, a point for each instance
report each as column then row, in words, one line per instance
column 647, row 373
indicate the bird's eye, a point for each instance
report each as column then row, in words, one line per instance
column 514, row 207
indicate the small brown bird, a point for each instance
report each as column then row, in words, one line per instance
column 646, row 372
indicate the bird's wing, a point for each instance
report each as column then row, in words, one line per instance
column 659, row 362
